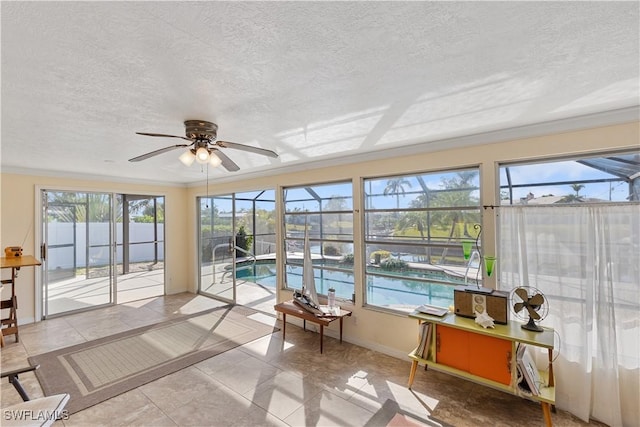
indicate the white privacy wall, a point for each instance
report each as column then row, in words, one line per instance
column 98, row 235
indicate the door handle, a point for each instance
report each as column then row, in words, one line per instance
column 43, row 251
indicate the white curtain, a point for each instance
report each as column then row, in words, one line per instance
column 586, row 261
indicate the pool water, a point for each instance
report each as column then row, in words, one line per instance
column 381, row 291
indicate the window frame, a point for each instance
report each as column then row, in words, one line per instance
column 368, row 237
column 320, row 269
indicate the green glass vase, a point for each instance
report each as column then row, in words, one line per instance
column 489, row 264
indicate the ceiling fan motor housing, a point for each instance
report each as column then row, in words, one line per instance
column 200, row 129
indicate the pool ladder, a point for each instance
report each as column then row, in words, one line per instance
column 229, row 271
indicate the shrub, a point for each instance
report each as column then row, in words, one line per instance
column 393, row 264
column 243, row 241
column 347, row 259
column 331, row 250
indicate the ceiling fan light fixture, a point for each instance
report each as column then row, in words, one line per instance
column 187, row 158
column 214, row 160
column 202, row 155
column 203, row 146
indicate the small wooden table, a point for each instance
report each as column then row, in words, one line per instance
column 289, row 307
column 11, row 322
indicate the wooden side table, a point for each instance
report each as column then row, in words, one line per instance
column 9, row 325
column 291, row 308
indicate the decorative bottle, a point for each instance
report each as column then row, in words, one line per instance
column 331, row 297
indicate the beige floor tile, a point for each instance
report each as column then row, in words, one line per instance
column 221, row 407
column 244, row 375
column 378, row 389
column 180, row 388
column 128, row 409
column 328, row 409
column 284, row 393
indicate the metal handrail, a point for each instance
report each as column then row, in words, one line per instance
column 231, row 248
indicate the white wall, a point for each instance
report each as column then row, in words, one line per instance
column 66, row 233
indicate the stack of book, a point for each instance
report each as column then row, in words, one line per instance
column 531, row 380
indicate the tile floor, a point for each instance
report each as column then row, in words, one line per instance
column 270, row 382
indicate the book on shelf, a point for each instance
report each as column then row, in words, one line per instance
column 426, row 329
column 528, row 370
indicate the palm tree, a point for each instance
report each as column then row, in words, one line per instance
column 577, row 188
column 572, row 198
column 419, row 221
column 461, row 186
column 396, row 186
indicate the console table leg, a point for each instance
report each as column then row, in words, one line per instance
column 412, row 375
column 546, row 412
column 321, row 336
column 284, row 325
column 341, row 330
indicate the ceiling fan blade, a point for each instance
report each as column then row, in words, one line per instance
column 226, row 162
column 533, row 313
column 236, row 146
column 156, row 152
column 163, row 135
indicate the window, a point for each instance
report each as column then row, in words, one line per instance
column 414, row 228
column 613, row 178
column 326, row 211
column 568, row 229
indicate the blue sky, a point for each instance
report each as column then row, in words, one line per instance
column 563, row 171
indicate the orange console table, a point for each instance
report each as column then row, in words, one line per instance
column 10, row 324
column 461, row 347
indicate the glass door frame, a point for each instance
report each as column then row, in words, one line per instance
column 231, row 244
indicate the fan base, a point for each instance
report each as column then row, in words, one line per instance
column 200, row 129
column 531, row 326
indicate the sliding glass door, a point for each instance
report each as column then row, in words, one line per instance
column 99, row 249
column 217, row 254
column 140, row 247
column 77, row 251
column 237, row 244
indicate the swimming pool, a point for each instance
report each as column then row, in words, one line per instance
column 385, row 291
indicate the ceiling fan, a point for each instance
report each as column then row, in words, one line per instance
column 203, row 147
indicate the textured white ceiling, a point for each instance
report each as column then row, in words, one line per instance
column 313, row 81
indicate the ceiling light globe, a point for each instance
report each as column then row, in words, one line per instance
column 187, row 158
column 214, row 160
column 202, row 155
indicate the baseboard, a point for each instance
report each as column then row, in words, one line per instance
column 389, row 351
